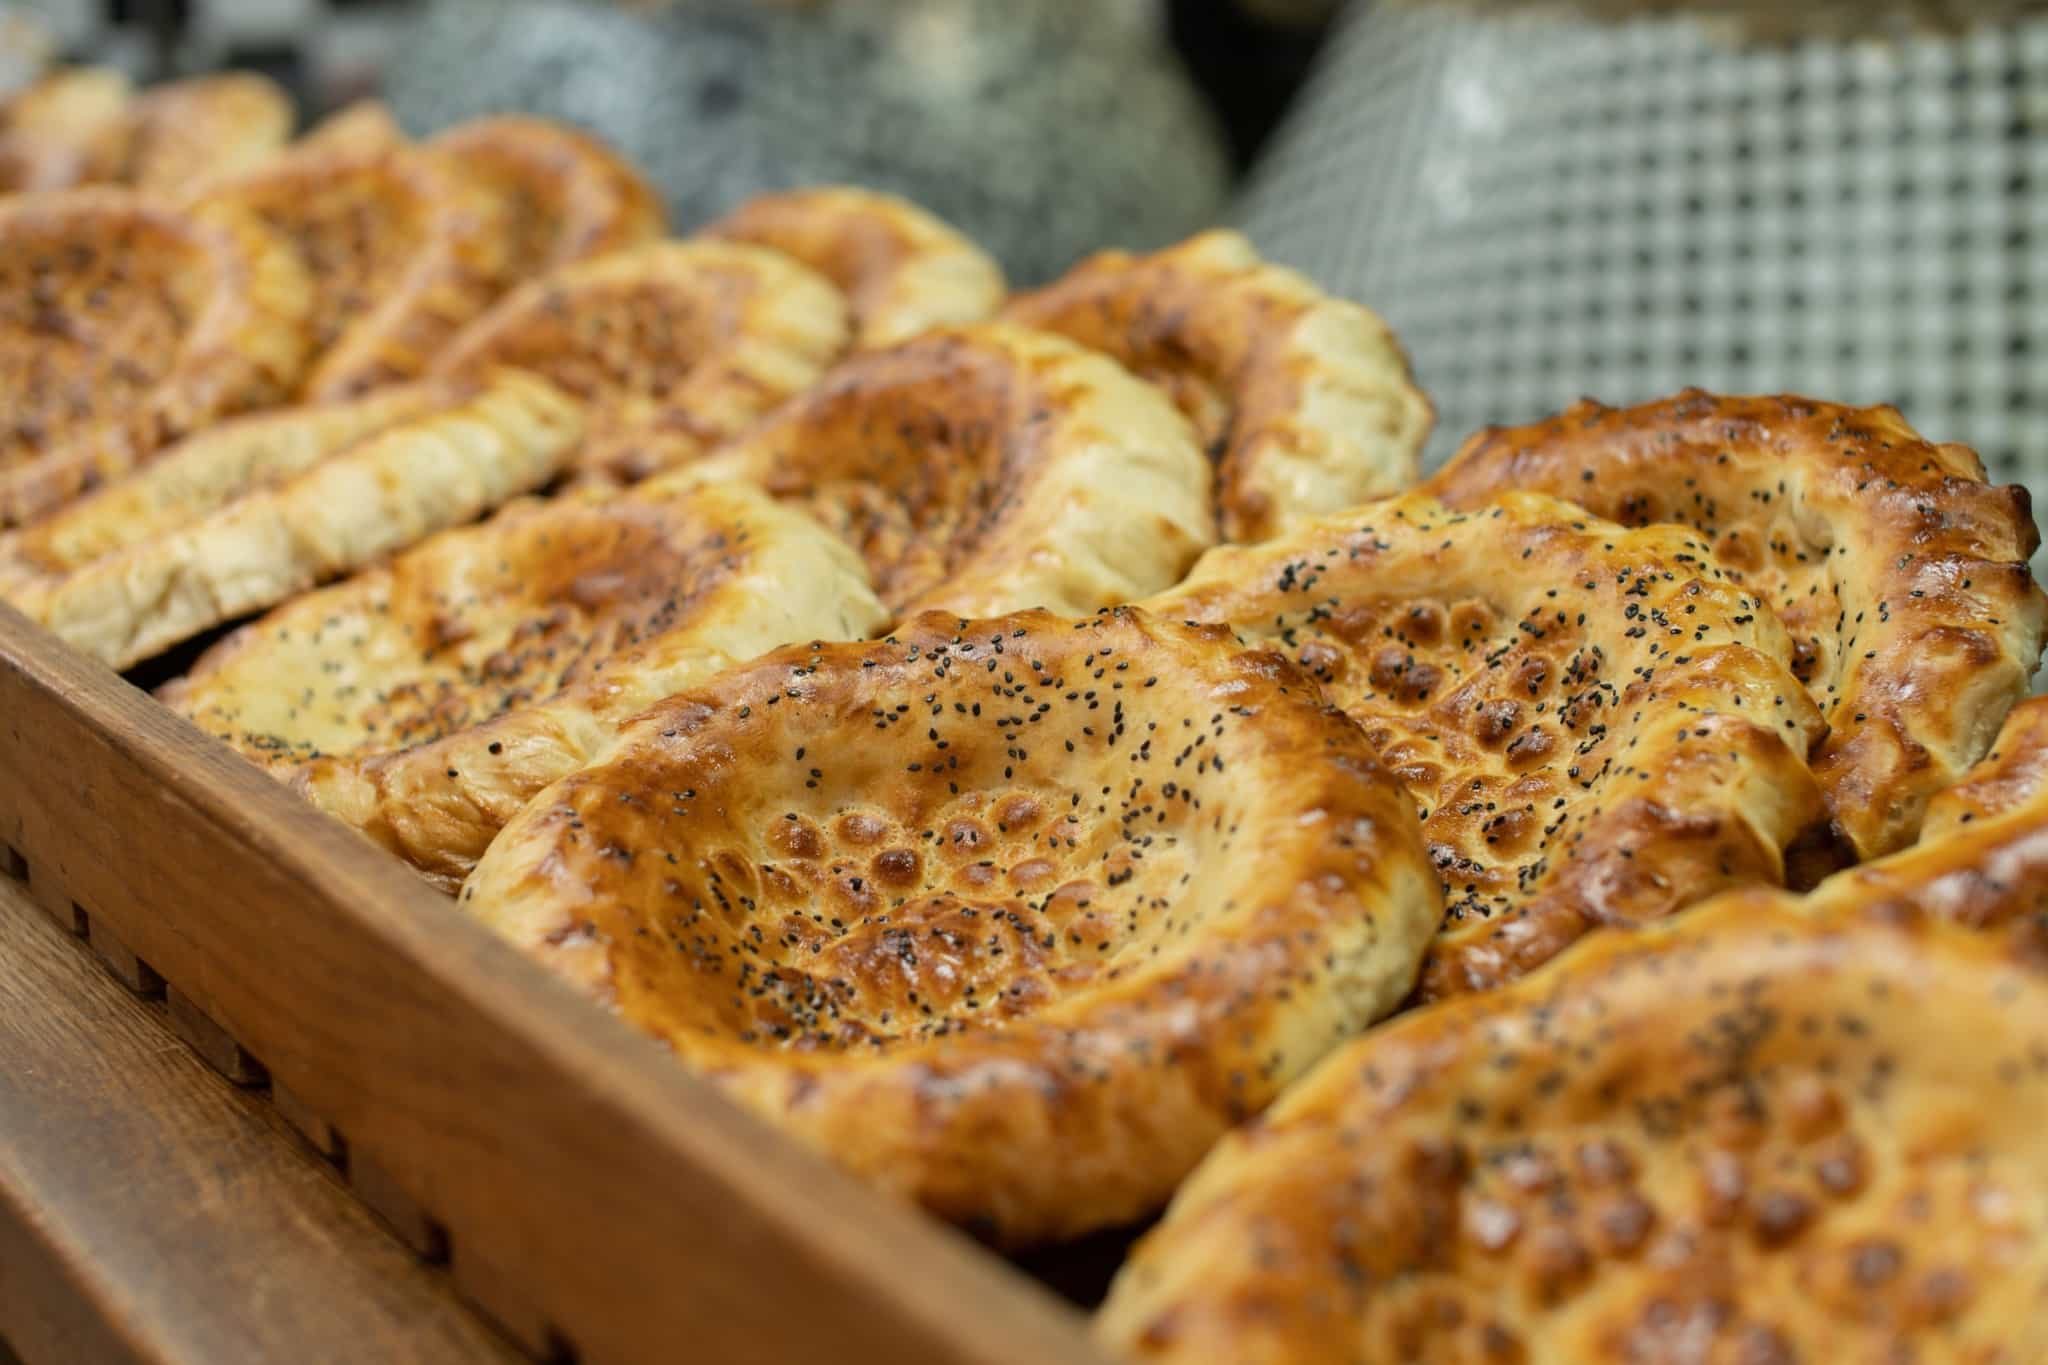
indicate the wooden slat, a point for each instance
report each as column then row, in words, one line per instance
column 318, row 1133
column 632, row 1205
column 150, row 1212
column 128, row 969
column 214, row 1044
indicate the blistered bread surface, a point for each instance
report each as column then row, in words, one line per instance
column 1012, row 916
column 424, row 702
column 1900, row 572
column 1596, row 724
column 1304, row 401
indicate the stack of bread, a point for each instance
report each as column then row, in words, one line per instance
column 1053, row 753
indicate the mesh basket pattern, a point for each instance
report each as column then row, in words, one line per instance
column 1546, row 208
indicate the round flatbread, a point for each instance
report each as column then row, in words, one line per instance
column 1013, row 917
column 425, row 701
column 126, row 323
column 1598, row 726
column 1761, row 1133
column 672, row 347
column 339, row 514
column 988, row 468
column 1900, row 572
column 568, row 195
column 402, row 250
column 903, row 269
column 1304, row 401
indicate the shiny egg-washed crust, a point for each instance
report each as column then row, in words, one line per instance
column 343, row 512
column 1982, row 857
column 1597, row 725
column 203, row 473
column 402, row 248
column 1901, row 573
column 69, row 128
column 126, row 323
column 1757, row 1134
column 903, row 269
column 990, row 468
column 1011, row 917
column 570, row 196
column 183, row 135
column 447, row 688
column 1303, row 400
column 672, row 346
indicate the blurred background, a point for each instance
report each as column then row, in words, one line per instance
column 1615, row 198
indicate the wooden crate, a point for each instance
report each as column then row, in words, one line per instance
column 588, row 1194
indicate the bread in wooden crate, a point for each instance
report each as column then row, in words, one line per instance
column 1011, row 916
column 1304, row 401
column 986, row 468
column 342, row 513
column 128, row 323
column 1772, row 1129
column 1901, row 573
column 425, row 701
column 903, row 270
column 672, row 347
column 1598, row 726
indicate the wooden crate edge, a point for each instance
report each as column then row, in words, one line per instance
column 631, row 1207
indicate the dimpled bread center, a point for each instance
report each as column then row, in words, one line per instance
column 1498, row 774
column 1652, row 1231
column 453, row 642
column 992, row 903
column 848, row 904
column 623, row 343
column 85, row 329
column 356, row 240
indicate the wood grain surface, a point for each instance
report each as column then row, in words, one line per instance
column 150, row 1211
column 590, row 1191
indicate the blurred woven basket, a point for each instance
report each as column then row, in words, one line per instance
column 1782, row 18
column 1043, row 129
column 1549, row 205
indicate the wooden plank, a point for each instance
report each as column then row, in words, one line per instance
column 149, row 1211
column 632, row 1205
column 318, row 1133
column 214, row 1044
column 49, row 891
column 128, row 969
column 411, row 1224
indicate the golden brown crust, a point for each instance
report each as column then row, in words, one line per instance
column 200, row 475
column 1982, row 858
column 67, row 129
column 1597, row 726
column 126, row 323
column 673, row 347
column 1757, row 1134
column 1013, row 917
column 402, row 249
column 345, row 511
column 568, row 195
column 183, row 135
column 1901, row 573
column 903, row 269
column 990, row 468
column 426, row 701
column 1303, row 400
